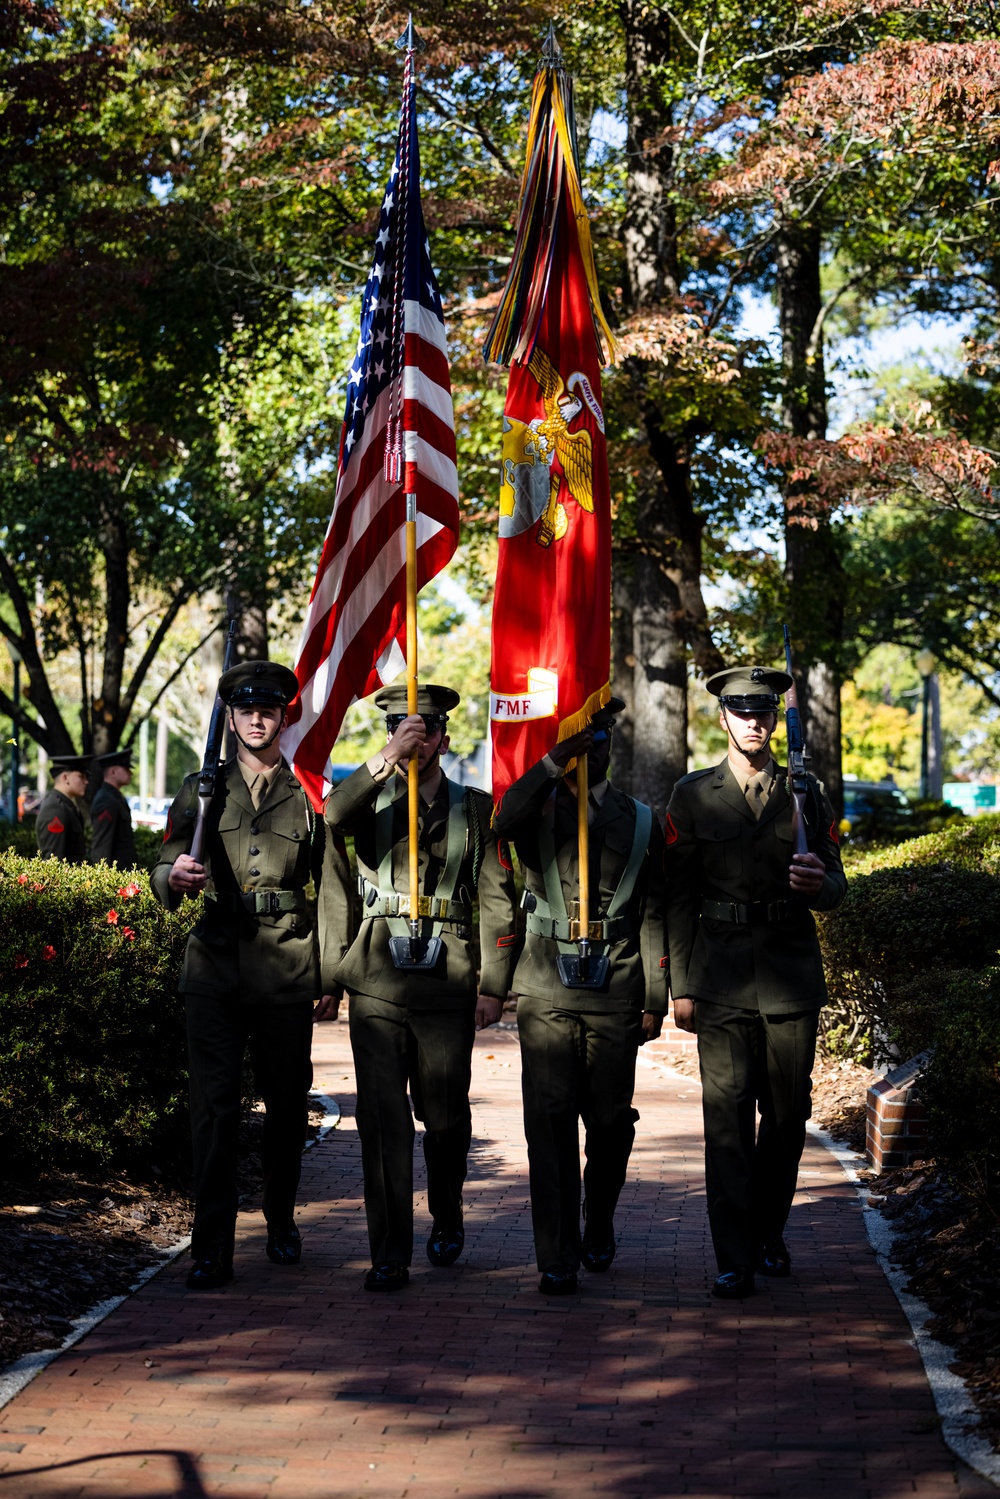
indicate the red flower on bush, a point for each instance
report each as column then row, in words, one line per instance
column 128, row 933
column 36, row 886
column 127, row 891
column 20, row 960
column 22, row 879
column 112, row 918
column 48, row 952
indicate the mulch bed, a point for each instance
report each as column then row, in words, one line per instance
column 69, row 1241
column 947, row 1239
column 948, row 1242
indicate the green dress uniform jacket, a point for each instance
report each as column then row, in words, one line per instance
column 267, row 957
column 746, row 951
column 411, row 1030
column 716, row 852
column 578, row 1046
column 368, row 967
column 59, row 828
column 637, row 975
column 254, row 966
column 111, row 819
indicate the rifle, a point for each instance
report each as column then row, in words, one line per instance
column 208, row 779
column 797, row 757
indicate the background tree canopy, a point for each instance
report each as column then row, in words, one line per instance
column 188, row 196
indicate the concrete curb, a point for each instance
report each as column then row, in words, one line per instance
column 955, row 1406
column 14, row 1378
column 17, row 1375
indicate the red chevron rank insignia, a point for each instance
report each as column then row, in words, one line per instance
column 55, row 826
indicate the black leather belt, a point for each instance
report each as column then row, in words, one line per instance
column 259, row 902
column 752, row 913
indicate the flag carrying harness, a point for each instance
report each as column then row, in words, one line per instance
column 549, row 917
column 383, row 900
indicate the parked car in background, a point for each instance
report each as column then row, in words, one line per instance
column 875, row 810
column 155, row 815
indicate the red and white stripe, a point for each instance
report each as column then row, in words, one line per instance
column 354, row 634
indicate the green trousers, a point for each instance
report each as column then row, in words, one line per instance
column 279, row 1037
column 752, row 1063
column 575, row 1065
column 428, row 1052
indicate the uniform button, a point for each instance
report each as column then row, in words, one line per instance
column 255, row 871
column 254, row 832
column 254, row 852
column 295, row 835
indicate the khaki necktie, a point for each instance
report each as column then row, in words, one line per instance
column 758, row 789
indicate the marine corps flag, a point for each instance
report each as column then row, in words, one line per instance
column 551, row 642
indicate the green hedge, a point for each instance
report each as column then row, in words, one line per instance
column 912, row 961
column 961, row 1086
column 20, row 839
column 92, row 1053
column 972, row 843
column 899, row 935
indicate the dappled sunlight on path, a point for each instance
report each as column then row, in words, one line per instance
column 295, row 1383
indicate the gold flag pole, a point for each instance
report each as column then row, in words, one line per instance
column 410, row 43
column 413, row 769
column 583, row 848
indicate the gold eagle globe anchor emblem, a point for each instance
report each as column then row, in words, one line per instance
column 544, row 463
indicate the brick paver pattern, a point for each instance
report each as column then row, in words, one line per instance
column 293, row 1382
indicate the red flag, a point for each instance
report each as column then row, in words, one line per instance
column 551, row 652
column 399, row 408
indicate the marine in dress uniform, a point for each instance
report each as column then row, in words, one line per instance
column 746, row 970
column 255, row 964
column 111, row 817
column 59, row 821
column 579, row 1045
column 414, row 1028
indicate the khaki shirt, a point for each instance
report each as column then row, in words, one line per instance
column 716, row 850
column 259, row 958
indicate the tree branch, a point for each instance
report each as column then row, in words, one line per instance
column 149, row 654
column 222, row 625
column 52, row 734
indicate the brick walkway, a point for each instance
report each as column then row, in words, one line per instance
column 294, row 1383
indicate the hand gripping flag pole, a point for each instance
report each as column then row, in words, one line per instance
column 552, row 604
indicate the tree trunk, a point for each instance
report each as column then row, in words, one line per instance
column 659, row 687
column 251, row 632
column 622, row 664
column 935, row 744
column 813, row 561
column 106, row 710
column 669, row 611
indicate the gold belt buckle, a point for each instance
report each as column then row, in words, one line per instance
column 595, row 931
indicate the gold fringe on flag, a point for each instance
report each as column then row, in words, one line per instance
column 551, row 170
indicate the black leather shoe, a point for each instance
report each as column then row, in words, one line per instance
column 445, row 1245
column 597, row 1253
column 284, row 1245
column 557, row 1281
column 735, row 1285
column 775, row 1259
column 210, row 1273
column 388, row 1276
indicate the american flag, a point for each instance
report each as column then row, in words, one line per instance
column 399, row 419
